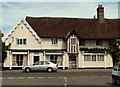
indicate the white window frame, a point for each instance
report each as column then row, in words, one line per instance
column 94, row 54
column 21, row 41
column 54, row 41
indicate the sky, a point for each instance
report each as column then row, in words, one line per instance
column 13, row 11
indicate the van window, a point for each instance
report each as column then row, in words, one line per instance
column 116, row 67
column 119, row 67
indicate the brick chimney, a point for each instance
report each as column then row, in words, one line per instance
column 100, row 14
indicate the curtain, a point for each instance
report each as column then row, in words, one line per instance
column 14, row 61
column 24, row 60
column 59, row 60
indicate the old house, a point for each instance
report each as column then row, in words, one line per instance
column 64, row 41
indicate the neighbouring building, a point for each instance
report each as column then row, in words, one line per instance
column 68, row 42
column 1, row 47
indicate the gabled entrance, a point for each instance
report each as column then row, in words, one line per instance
column 72, row 61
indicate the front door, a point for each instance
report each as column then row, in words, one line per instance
column 72, row 62
column 36, row 58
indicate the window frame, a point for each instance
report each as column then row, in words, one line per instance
column 73, row 41
column 98, row 42
column 94, row 58
column 21, row 41
column 82, row 42
column 54, row 41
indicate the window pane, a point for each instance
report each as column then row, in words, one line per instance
column 100, row 57
column 73, row 41
column 93, row 57
column 98, row 42
column 86, row 57
column 20, row 41
column 17, row 41
column 54, row 41
column 24, row 41
column 82, row 42
column 56, row 59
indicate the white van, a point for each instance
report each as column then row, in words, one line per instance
column 116, row 74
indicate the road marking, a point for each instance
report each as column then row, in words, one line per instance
column 60, row 77
column 30, row 77
column 65, row 85
column 40, row 77
column 65, row 79
column 11, row 78
column 51, row 77
column 20, row 77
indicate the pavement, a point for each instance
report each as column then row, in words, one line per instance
column 67, row 70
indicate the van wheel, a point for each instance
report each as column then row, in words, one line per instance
column 49, row 69
column 114, row 82
column 27, row 69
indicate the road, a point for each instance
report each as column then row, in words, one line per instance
column 62, row 78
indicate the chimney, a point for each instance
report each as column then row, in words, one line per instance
column 100, row 14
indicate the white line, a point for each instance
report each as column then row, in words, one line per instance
column 60, row 77
column 20, row 77
column 11, row 78
column 40, row 77
column 51, row 77
column 65, row 85
column 30, row 77
column 65, row 79
column 105, row 76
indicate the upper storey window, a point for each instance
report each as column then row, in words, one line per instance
column 73, row 41
column 54, row 41
column 82, row 42
column 21, row 41
column 98, row 42
column 72, row 44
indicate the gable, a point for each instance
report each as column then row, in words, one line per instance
column 23, row 31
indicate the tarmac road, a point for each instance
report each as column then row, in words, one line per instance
column 62, row 78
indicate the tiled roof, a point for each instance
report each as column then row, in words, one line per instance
column 85, row 28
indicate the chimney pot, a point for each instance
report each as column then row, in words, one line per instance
column 99, row 5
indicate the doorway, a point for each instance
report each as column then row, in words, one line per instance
column 36, row 58
column 72, row 62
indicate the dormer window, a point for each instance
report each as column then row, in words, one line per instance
column 73, row 41
column 72, row 44
column 54, row 41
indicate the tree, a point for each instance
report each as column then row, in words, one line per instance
column 4, row 53
column 115, row 50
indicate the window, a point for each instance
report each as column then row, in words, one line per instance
column 94, row 58
column 98, row 42
column 57, row 59
column 36, row 63
column 73, row 41
column 24, row 41
column 54, row 41
column 86, row 57
column 21, row 41
column 100, row 57
column 19, row 60
column 82, row 42
column 116, row 67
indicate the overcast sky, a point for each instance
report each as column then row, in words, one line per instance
column 13, row 11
